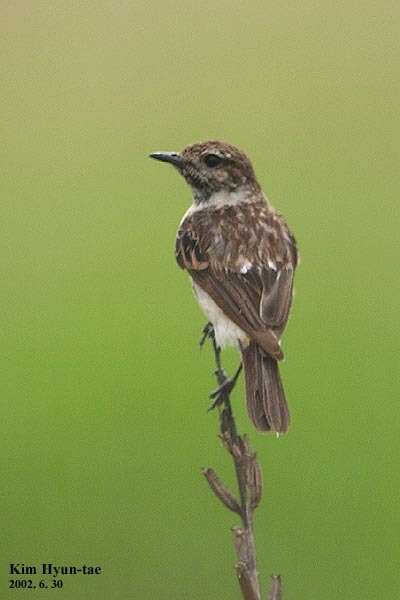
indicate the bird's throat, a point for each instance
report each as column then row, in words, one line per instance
column 220, row 198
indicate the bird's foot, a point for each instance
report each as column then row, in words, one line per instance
column 225, row 388
column 207, row 333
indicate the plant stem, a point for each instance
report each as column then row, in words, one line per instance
column 249, row 482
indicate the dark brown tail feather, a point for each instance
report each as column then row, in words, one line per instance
column 266, row 403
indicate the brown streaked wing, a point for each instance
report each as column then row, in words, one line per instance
column 187, row 251
column 257, row 301
column 240, row 304
column 276, row 297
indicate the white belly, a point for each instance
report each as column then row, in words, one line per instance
column 227, row 333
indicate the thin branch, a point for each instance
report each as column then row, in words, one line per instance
column 249, row 481
column 275, row 592
column 221, row 491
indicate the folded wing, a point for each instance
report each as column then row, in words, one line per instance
column 256, row 298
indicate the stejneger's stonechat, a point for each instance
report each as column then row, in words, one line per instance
column 241, row 257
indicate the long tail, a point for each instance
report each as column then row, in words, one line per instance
column 266, row 402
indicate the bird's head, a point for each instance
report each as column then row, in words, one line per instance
column 211, row 167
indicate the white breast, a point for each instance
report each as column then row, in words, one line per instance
column 227, row 333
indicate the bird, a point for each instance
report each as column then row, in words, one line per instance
column 241, row 257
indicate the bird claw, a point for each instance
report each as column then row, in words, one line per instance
column 218, row 395
column 207, row 333
column 225, row 388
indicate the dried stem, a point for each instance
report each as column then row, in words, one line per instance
column 249, row 481
column 276, row 588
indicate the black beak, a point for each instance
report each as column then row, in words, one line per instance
column 170, row 157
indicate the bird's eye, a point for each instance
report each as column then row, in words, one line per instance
column 212, row 160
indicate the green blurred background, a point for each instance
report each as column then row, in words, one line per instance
column 104, row 391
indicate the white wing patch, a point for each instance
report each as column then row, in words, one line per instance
column 245, row 268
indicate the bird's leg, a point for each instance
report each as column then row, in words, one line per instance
column 226, row 384
column 221, row 396
column 207, row 333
